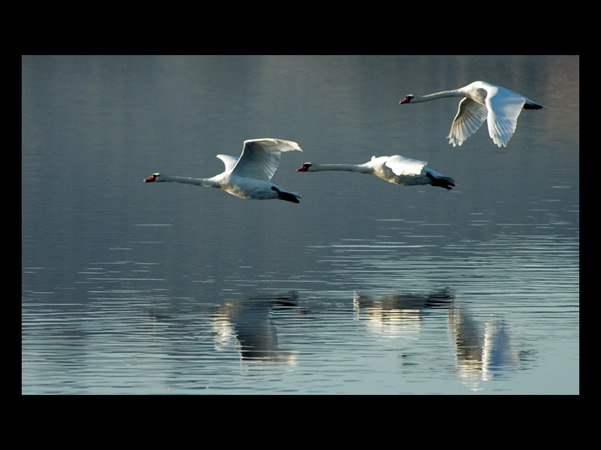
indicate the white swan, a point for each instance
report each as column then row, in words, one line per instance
column 249, row 176
column 395, row 169
column 482, row 101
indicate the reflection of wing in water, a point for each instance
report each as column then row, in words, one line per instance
column 256, row 334
column 481, row 354
column 399, row 313
column 249, row 321
column 468, row 342
column 498, row 352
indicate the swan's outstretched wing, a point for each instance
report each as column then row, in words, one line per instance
column 470, row 116
column 504, row 107
column 229, row 161
column 260, row 157
column 401, row 165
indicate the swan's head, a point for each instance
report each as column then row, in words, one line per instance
column 407, row 99
column 151, row 178
column 304, row 167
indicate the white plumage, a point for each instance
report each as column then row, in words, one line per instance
column 482, row 101
column 395, row 169
column 249, row 176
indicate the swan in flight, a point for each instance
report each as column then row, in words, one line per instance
column 395, row 169
column 249, row 176
column 482, row 101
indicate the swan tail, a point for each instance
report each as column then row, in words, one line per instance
column 532, row 105
column 288, row 196
column 440, row 181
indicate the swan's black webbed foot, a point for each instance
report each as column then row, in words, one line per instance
column 443, row 182
column 285, row 195
column 532, row 106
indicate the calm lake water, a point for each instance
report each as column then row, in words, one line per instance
column 363, row 288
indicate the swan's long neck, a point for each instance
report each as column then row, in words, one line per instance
column 206, row 182
column 437, row 95
column 359, row 168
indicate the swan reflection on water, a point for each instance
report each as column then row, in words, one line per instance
column 481, row 354
column 481, row 351
column 249, row 323
column 399, row 313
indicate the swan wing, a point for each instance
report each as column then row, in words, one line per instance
column 470, row 116
column 401, row 165
column 504, row 107
column 261, row 157
column 229, row 161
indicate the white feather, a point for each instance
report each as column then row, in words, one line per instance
column 482, row 101
column 250, row 175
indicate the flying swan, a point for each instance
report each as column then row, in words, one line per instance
column 395, row 169
column 482, row 101
column 249, row 176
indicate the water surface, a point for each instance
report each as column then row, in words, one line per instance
column 363, row 288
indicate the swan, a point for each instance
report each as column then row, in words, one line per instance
column 482, row 101
column 395, row 169
column 249, row 176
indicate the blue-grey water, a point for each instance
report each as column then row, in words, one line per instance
column 364, row 287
